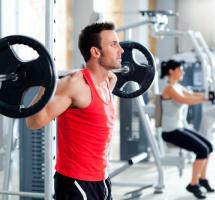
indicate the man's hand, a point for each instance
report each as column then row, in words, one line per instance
column 211, row 96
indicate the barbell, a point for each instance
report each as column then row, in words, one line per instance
column 18, row 76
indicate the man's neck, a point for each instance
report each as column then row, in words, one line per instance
column 98, row 74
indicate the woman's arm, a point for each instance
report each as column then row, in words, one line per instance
column 188, row 92
column 185, row 97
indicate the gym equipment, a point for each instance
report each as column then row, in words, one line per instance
column 17, row 76
column 141, row 73
column 133, row 160
column 39, row 186
column 211, row 96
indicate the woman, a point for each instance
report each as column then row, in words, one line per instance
column 174, row 99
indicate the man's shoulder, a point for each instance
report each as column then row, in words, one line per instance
column 75, row 80
column 75, row 76
column 71, row 84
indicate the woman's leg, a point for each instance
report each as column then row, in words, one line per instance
column 198, row 167
column 190, row 142
column 204, row 170
column 210, row 148
column 203, row 139
column 203, row 181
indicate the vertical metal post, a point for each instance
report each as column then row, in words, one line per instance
column 50, row 135
column 202, row 58
column 49, row 6
column 7, row 164
column 149, row 133
column 50, row 130
column 210, row 57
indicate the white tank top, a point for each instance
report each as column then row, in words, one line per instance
column 173, row 114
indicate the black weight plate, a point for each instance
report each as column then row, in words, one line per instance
column 143, row 73
column 38, row 72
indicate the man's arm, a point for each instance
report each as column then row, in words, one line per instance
column 61, row 100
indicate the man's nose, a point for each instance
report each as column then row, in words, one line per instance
column 122, row 50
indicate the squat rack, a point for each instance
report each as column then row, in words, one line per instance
column 50, row 130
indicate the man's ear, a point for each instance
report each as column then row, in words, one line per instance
column 95, row 52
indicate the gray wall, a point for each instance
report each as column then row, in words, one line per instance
column 132, row 16
column 82, row 11
column 167, row 46
column 197, row 16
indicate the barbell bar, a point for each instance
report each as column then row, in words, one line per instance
column 63, row 73
column 13, row 77
column 8, row 77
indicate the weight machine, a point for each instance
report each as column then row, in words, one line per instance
column 207, row 62
column 159, row 20
column 144, row 121
column 205, row 59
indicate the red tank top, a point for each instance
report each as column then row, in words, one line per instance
column 84, row 137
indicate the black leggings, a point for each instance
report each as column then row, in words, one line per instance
column 189, row 140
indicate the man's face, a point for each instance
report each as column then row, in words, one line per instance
column 111, row 50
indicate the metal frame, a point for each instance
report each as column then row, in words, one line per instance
column 208, row 70
column 196, row 38
column 7, row 164
column 207, row 60
column 9, row 127
column 202, row 50
column 50, row 130
column 208, row 65
column 144, row 120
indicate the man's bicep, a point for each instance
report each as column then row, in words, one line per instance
column 58, row 104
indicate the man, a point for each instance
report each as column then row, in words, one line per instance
column 84, row 106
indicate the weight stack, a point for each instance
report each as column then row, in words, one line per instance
column 32, row 162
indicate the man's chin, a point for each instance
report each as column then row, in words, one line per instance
column 118, row 66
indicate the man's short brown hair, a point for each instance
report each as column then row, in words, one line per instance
column 90, row 37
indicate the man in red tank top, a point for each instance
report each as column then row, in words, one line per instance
column 84, row 106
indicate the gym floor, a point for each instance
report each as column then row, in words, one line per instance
column 174, row 184
column 146, row 173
